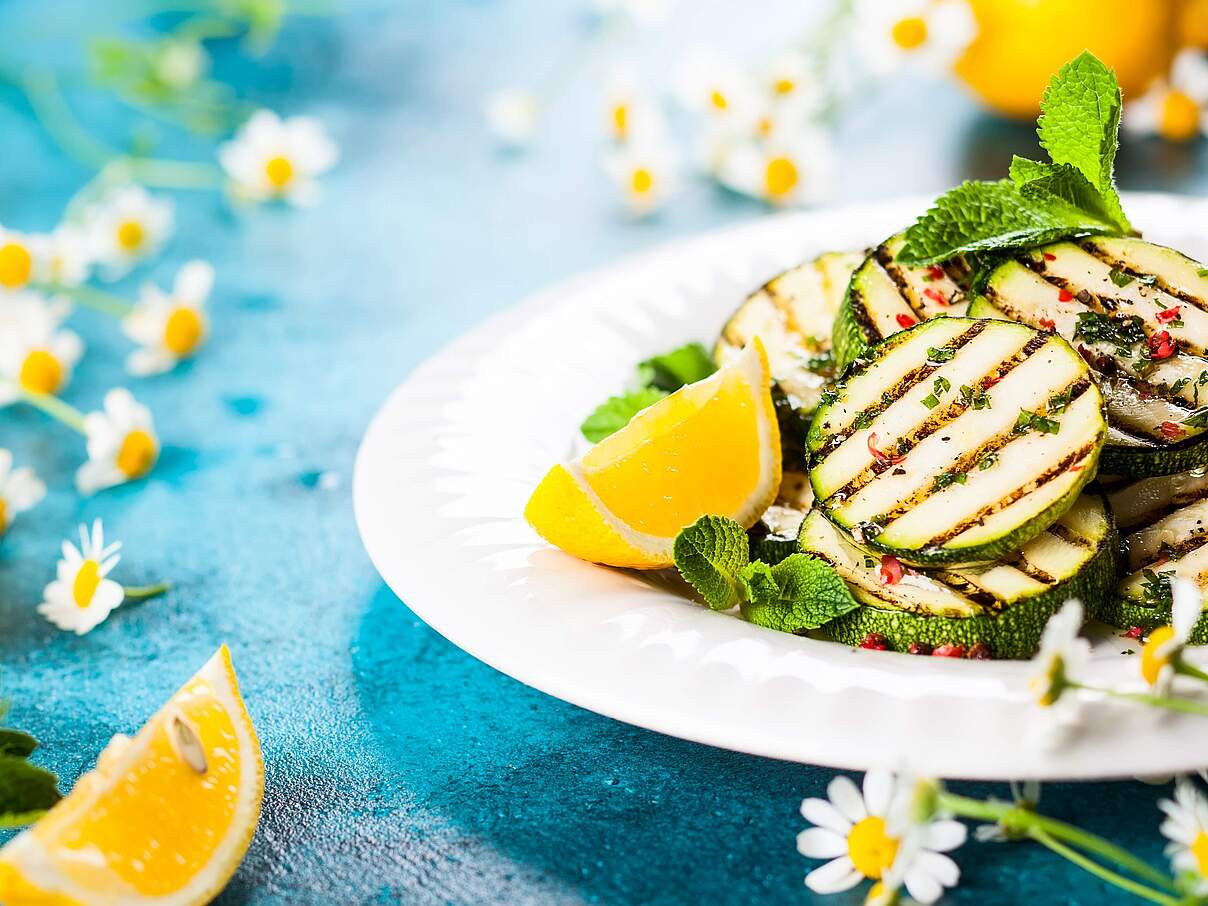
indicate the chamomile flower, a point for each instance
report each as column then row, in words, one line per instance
column 791, row 80
column 127, row 226
column 1164, row 646
column 1186, row 827
column 922, row 34
column 646, row 174
column 271, row 159
column 36, row 355
column 1025, row 795
column 172, row 326
column 122, row 443
column 1175, row 108
column 710, row 84
column 19, row 256
column 81, row 596
column 20, row 490
column 1063, row 654
column 67, row 257
column 786, row 170
column 512, row 116
column 629, row 116
column 873, row 836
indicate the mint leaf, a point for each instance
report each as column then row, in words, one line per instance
column 986, row 216
column 1079, row 125
column 1058, row 184
column 614, row 414
column 671, row 370
column 24, row 789
column 801, row 592
column 16, row 743
column 709, row 554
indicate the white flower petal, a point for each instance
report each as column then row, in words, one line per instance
column 846, row 798
column 944, row 836
column 836, row 875
column 922, row 886
column 878, row 791
column 821, row 843
column 939, row 866
column 823, row 814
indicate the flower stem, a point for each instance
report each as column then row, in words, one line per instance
column 91, row 297
column 1170, row 703
column 143, row 592
column 1106, row 874
column 54, row 407
column 1028, row 821
column 1186, row 669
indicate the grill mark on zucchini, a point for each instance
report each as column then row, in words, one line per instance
column 974, row 593
column 909, row 381
column 1158, row 282
column 1032, row 571
column 1044, row 478
column 1069, row 536
column 894, row 272
column 1169, row 553
column 1159, row 513
column 965, row 463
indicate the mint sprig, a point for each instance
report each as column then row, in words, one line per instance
column 26, row 790
column 657, row 377
column 800, row 592
column 1074, row 194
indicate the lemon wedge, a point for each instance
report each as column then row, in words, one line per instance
column 712, row 447
column 165, row 818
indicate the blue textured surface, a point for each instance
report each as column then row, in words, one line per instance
column 398, row 768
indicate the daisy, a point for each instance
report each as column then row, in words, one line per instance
column 512, row 116
column 862, row 839
column 36, row 356
column 271, row 159
column 1175, row 108
column 791, row 80
column 1186, row 827
column 924, row 34
column 67, row 257
column 82, row 596
column 645, row 174
column 628, row 115
column 172, row 326
column 122, row 444
column 18, row 259
column 709, row 84
column 1164, row 647
column 20, row 490
column 786, row 170
column 127, row 226
column 1062, row 655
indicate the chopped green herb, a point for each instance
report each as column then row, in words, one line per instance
column 940, row 356
column 1155, row 590
column 1028, row 421
column 975, row 399
column 1202, row 272
column 931, row 401
column 1059, row 402
column 862, row 421
column 1197, row 419
column 988, row 461
column 944, row 479
column 1118, row 277
column 1123, row 333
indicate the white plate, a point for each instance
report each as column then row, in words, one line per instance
column 448, row 463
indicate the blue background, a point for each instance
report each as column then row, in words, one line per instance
column 399, row 768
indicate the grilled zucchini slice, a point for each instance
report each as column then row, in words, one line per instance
column 1138, row 313
column 956, row 441
column 792, row 314
column 1164, row 523
column 884, row 297
column 1004, row 606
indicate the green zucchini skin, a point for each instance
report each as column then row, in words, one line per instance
column 859, row 483
column 881, row 290
column 1164, row 525
column 1012, row 632
column 1155, row 411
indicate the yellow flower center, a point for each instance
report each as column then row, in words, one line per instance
column 871, row 849
column 16, row 265
column 41, row 372
column 183, row 332
column 1199, row 849
column 641, row 181
column 1153, row 658
column 130, row 235
column 3, row 516
column 280, row 172
column 1179, row 119
column 910, row 33
column 784, row 86
column 620, row 120
column 86, row 582
column 137, row 454
column 780, row 177
column 764, row 126
column 718, row 100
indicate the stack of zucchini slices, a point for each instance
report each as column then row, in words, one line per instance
column 974, row 440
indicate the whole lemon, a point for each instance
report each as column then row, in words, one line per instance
column 1193, row 24
column 1021, row 43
